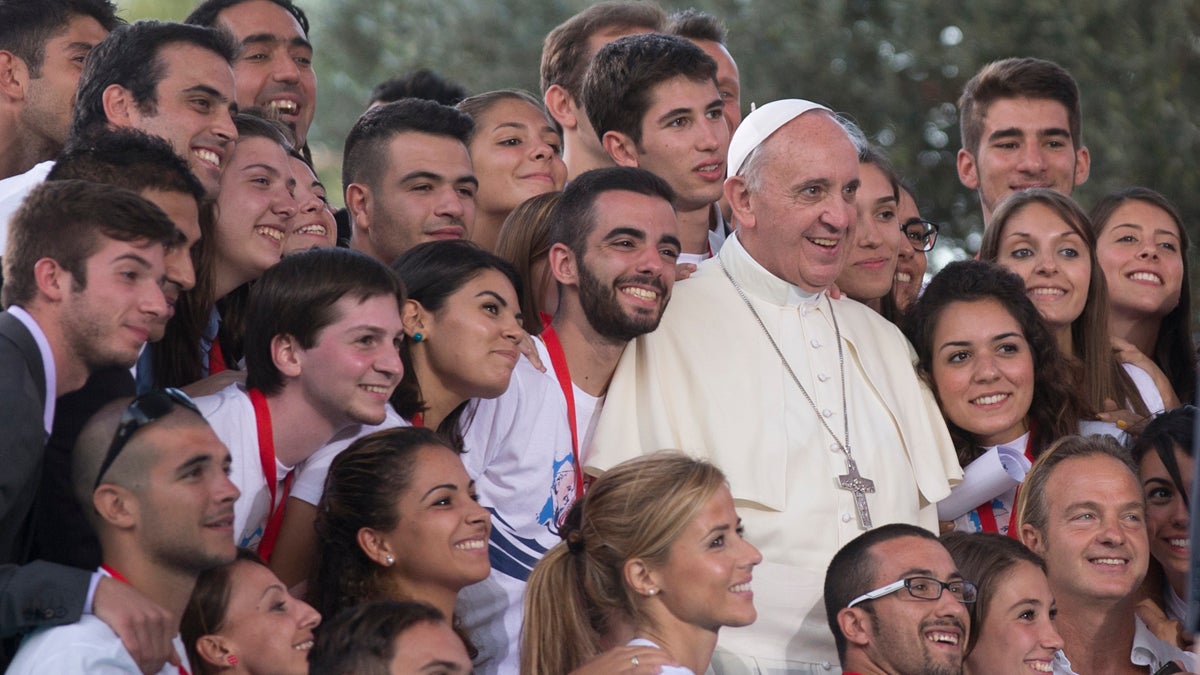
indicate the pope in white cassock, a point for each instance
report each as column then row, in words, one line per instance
column 810, row 406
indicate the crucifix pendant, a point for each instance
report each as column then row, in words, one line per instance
column 860, row 486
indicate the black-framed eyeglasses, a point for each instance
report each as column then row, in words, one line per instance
column 921, row 233
column 141, row 411
column 924, row 588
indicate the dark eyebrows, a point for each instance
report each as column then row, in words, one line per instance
column 886, row 199
column 261, row 166
column 207, row 90
column 673, row 113
column 197, row 461
column 495, row 295
column 670, row 240
column 135, row 258
column 1156, row 480
column 444, row 486
column 618, row 232
column 269, row 38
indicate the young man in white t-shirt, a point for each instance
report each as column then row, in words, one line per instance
column 614, row 242
column 153, row 475
column 322, row 354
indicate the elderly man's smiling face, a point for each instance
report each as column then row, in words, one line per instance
column 795, row 201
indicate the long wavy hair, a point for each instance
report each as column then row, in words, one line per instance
column 636, row 510
column 1099, row 374
column 1057, row 407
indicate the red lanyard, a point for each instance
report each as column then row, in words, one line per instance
column 216, row 359
column 558, row 359
column 987, row 512
column 418, row 420
column 121, row 578
column 266, row 454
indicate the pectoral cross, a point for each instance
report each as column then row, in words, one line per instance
column 860, row 486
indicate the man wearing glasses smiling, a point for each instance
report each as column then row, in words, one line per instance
column 153, row 479
column 895, row 604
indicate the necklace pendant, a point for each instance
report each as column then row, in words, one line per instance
column 856, row 483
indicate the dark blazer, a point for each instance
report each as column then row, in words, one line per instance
column 38, row 593
column 23, row 441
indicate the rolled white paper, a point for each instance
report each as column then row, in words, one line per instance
column 994, row 473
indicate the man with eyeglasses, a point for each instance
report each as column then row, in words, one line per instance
column 83, row 275
column 895, row 602
column 153, row 478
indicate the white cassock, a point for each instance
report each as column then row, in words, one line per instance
column 709, row 383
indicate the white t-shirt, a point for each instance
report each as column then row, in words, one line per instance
column 309, row 482
column 231, row 415
column 14, row 190
column 519, row 454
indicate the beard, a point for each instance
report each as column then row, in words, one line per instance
column 603, row 309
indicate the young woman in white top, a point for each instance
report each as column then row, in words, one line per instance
column 657, row 562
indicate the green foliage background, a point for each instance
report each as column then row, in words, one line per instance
column 896, row 66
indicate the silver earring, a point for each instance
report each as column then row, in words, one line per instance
column 389, row 560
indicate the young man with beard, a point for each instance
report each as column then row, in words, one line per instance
column 148, row 166
column 166, row 79
column 614, row 243
column 1083, row 510
column 274, row 66
column 82, row 292
column 653, row 100
column 42, row 49
column 153, row 477
column 408, row 178
column 895, row 604
column 322, row 355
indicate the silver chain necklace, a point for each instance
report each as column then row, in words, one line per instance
column 852, row 480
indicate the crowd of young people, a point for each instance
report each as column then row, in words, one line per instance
column 442, row 430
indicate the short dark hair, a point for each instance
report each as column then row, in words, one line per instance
column 1017, row 78
column 1031, row 504
column 206, row 12
column 130, row 159
column 362, row 639
column 420, row 83
column 65, row 220
column 296, row 297
column 26, row 27
column 365, row 157
column 986, row 558
column 575, row 216
column 693, row 24
column 131, row 56
column 620, row 80
column 852, row 572
column 565, row 51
